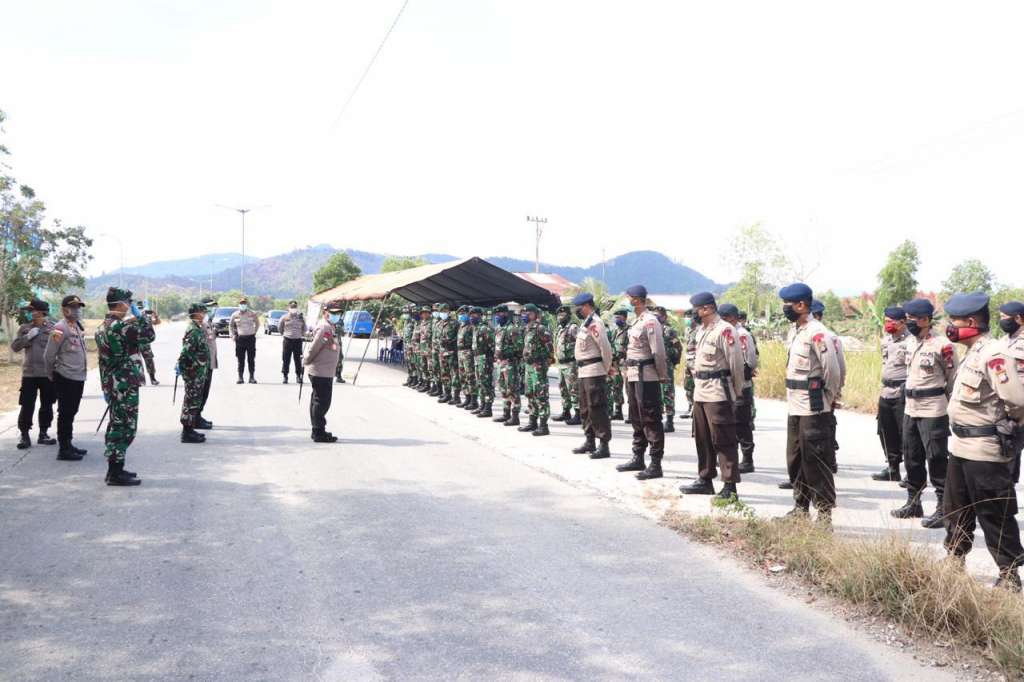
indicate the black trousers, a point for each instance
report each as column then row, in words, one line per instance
column 890, row 429
column 245, row 349
column 320, row 401
column 291, row 349
column 926, row 451
column 594, row 408
column 69, row 397
column 206, row 390
column 982, row 492
column 811, row 460
column 30, row 386
column 645, row 417
column 745, row 423
column 714, row 429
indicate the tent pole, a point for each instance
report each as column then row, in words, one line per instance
column 372, row 330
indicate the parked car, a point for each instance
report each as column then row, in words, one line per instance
column 358, row 323
column 272, row 322
column 220, row 320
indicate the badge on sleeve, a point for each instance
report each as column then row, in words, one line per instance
column 998, row 365
column 819, row 341
column 743, row 343
column 948, row 355
column 57, row 335
column 727, row 333
column 593, row 330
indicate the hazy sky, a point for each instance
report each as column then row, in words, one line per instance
column 844, row 127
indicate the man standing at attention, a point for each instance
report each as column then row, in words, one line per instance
column 243, row 326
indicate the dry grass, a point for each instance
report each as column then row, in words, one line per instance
column 888, row 577
column 863, row 376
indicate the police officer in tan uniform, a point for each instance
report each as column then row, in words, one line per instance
column 1011, row 319
column 931, row 369
column 889, row 417
column 646, row 368
column 593, row 356
column 243, row 326
column 812, row 386
column 745, row 403
column 818, row 313
column 320, row 361
column 986, row 410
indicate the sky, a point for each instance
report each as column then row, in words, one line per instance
column 843, row 128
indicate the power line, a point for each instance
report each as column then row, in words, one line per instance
column 369, row 65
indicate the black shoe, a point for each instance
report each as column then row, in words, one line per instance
column 434, row 391
column 153, row 381
column 911, row 510
column 240, row 380
column 25, row 442
column 423, row 388
column 530, row 426
column 653, row 470
column 936, row 518
column 473, row 406
column 727, row 492
column 203, row 424
column 1008, row 580
column 542, row 428
column 190, row 435
column 574, row 420
column 285, row 379
column 746, row 466
column 513, row 420
column 505, row 416
column 562, row 417
column 701, row 486
column 669, row 426
column 44, row 439
column 78, row 451
column 444, row 398
column 602, row 451
column 66, row 454
column 886, row 474
column 485, row 411
column 589, row 445
column 116, row 475
column 324, row 437
column 687, row 414
column 617, row 415
column 339, row 380
column 252, row 379
column 904, row 483
column 786, row 485
column 635, row 464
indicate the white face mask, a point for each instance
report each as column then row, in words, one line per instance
column 243, row 307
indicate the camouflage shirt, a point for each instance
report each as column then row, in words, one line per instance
column 465, row 338
column 538, row 348
column 483, row 339
column 448, row 332
column 566, row 342
column 673, row 346
column 194, row 359
column 620, row 340
column 508, row 342
column 118, row 343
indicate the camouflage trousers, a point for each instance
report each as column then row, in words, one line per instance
column 147, row 356
column 510, row 376
column 484, row 367
column 123, row 422
column 668, row 393
column 616, row 389
column 435, row 366
column 467, row 373
column 449, row 370
column 689, row 385
column 537, row 390
column 192, row 404
column 568, row 386
column 340, row 365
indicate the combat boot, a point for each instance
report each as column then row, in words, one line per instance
column 513, row 420
column 203, row 423
column 531, row 426
column 617, row 414
column 652, row 471
column 66, row 454
column 887, row 474
column 542, row 428
column 786, row 485
column 25, row 442
column 505, row 415
column 1008, row 580
column 424, row 387
column 252, row 379
column 324, row 437
column 44, row 439
column 799, row 511
column 688, row 413
column 78, row 451
column 602, row 451
column 562, row 417
column 116, row 475
column 473, row 406
column 824, row 520
column 485, row 411
column 435, row 390
column 241, row 379
column 669, row 426
column 589, row 445
column 285, row 380
column 701, row 486
column 153, row 381
column 338, row 379
column 728, row 492
column 574, row 420
column 444, row 398
column 912, row 509
column 190, row 435
column 936, row 518
column 456, row 399
column 747, row 463
column 635, row 464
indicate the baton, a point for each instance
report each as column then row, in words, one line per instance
column 174, row 396
column 105, row 413
column 301, row 384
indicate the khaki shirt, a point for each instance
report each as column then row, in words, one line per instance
column 812, row 356
column 65, row 352
column 718, row 351
column 211, row 341
column 895, row 354
column 244, row 323
column 592, row 342
column 322, row 354
column 292, row 325
column 646, row 343
column 989, row 387
column 931, row 363
column 748, row 350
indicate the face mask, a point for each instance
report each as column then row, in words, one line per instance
column 890, row 327
column 1009, row 325
column 335, row 318
column 619, row 322
column 525, row 319
column 961, row 334
column 292, row 309
column 463, row 319
column 500, row 320
column 243, row 307
column 405, row 316
column 75, row 313
column 580, row 315
column 791, row 314
column 913, row 328
column 474, row 321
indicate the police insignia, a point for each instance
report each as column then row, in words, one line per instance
column 727, row 333
column 819, row 341
column 947, row 355
column 593, row 332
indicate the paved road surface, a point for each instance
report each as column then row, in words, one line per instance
column 408, row 550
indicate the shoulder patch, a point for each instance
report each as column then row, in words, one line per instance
column 743, row 342
column 594, row 331
column 727, row 333
column 819, row 341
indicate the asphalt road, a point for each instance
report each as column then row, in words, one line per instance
column 405, row 551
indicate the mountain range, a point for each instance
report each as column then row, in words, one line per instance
column 291, row 274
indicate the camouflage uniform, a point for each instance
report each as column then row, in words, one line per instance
column 466, row 376
column 691, row 357
column 538, row 352
column 118, row 343
column 508, row 345
column 483, row 360
column 339, row 334
column 673, row 354
column 447, row 348
column 194, row 365
column 408, row 347
column 435, row 354
column 568, row 384
column 619, row 339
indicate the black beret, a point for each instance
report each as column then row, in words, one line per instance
column 476, row 310
column 585, row 297
column 637, row 291
column 728, row 310
column 919, row 307
column 196, row 308
column 798, row 291
column 1012, row 308
column 894, row 312
column 817, row 307
column 37, row 305
column 962, row 305
column 703, row 298
column 501, row 308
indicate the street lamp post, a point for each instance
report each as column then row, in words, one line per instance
column 539, row 222
column 242, row 212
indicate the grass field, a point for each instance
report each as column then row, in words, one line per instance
column 863, row 376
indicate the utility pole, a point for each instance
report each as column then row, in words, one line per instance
column 539, row 222
column 242, row 212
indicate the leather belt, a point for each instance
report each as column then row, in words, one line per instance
column 893, row 383
column 587, row 361
column 803, row 385
column 925, row 392
column 973, row 431
column 717, row 374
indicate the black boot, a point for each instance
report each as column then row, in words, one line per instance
column 531, row 426
column 435, row 390
column 887, row 474
column 190, row 435
column 444, row 397
column 485, row 411
column 78, row 451
column 701, row 486
column 935, row 519
column 912, row 509
column 542, row 428
column 153, row 381
column 66, row 454
column 574, row 420
column 513, row 420
column 338, row 379
column 1008, row 580
column 116, row 475
column 635, row 464
column 456, row 400
column 252, row 379
column 506, row 414
column 424, row 387
column 617, row 414
column 653, row 470
column 602, row 451
column 25, row 442
column 727, row 492
column 285, row 380
column 562, row 417
column 669, row 426
column 44, row 439
column 798, row 511
column 786, row 485
column 324, row 437
column 241, row 379
column 472, row 405
column 747, row 464
column 203, row 423
column 589, row 445
column 688, row 413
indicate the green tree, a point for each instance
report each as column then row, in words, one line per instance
column 833, row 309
column 396, row 263
column 339, row 268
column 594, row 286
column 763, row 266
column 897, row 280
column 969, row 276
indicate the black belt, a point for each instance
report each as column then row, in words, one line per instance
column 803, row 385
column 973, row 431
column 717, row 374
column 925, row 392
column 587, row 361
column 639, row 363
column 893, row 383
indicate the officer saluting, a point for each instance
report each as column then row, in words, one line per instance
column 986, row 410
column 891, row 402
column 321, row 360
column 592, row 354
column 646, row 368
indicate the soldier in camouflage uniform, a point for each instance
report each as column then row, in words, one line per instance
column 408, row 346
column 119, row 339
column 568, row 382
column 423, row 341
column 691, row 357
column 435, row 351
column 508, row 352
column 193, row 366
column 339, row 334
column 147, row 352
column 538, row 354
column 467, row 374
column 447, row 353
column 673, row 354
column 619, row 338
column 483, row 361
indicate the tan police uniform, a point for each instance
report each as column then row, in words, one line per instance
column 745, row 406
column 889, row 416
column 320, row 360
column 718, row 385
column 593, row 354
column 646, row 368
column 243, row 327
column 931, row 371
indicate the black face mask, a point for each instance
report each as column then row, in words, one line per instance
column 502, row 320
column 914, row 328
column 1009, row 325
column 791, row 314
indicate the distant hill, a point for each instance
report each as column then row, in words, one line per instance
column 291, row 274
column 199, row 266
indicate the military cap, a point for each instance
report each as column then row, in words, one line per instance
column 71, row 301
column 476, row 310
column 462, row 309
column 742, row 314
column 703, row 298
column 895, row 312
column 564, row 309
column 335, row 306
column 1012, row 308
column 293, row 303
column 584, row 297
column 37, row 305
column 798, row 291
column 919, row 307
column 116, row 295
column 210, row 302
column 243, row 300
column 658, row 309
column 531, row 308
column 962, row 305
column 501, row 308
column 728, row 310
column 817, row 307
column 436, row 307
column 622, row 311
column 637, row 291
column 196, row 308
column 425, row 309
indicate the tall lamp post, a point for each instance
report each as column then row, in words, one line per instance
column 539, row 222
column 242, row 212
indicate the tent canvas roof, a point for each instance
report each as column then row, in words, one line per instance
column 470, row 280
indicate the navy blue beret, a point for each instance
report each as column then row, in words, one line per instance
column 1012, row 308
column 894, row 312
column 796, row 292
column 817, row 307
column 919, row 307
column 962, row 305
column 703, row 298
column 728, row 310
column 585, row 297
column 637, row 291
